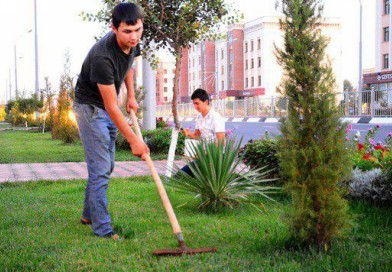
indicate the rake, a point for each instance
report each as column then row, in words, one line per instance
column 183, row 249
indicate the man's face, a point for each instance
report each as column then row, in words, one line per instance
column 128, row 36
column 199, row 105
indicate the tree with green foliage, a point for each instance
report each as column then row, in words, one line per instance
column 21, row 111
column 347, row 86
column 313, row 153
column 173, row 25
column 64, row 126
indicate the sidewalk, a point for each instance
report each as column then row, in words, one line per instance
column 73, row 170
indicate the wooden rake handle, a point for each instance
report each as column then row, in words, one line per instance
column 159, row 184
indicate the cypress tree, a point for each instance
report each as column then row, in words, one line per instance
column 312, row 150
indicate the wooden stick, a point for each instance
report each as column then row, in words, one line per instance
column 159, row 184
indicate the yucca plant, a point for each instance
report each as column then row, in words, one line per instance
column 220, row 179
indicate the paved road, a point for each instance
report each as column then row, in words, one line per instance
column 249, row 130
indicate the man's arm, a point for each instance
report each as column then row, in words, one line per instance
column 220, row 136
column 196, row 135
column 131, row 99
column 109, row 96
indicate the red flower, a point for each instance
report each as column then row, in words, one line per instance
column 367, row 156
column 379, row 147
column 360, row 146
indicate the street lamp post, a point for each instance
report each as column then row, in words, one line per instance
column 9, row 82
column 36, row 49
column 360, row 60
column 16, row 72
column 16, row 63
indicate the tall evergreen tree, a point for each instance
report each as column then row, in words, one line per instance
column 312, row 151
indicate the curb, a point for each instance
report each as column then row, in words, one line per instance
column 351, row 120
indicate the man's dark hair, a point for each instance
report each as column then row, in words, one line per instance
column 201, row 94
column 128, row 13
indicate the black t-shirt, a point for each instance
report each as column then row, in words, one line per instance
column 105, row 64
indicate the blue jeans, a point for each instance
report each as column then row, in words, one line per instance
column 98, row 134
column 188, row 170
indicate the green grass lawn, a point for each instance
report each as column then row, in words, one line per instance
column 40, row 231
column 34, row 147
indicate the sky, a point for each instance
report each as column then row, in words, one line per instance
column 61, row 29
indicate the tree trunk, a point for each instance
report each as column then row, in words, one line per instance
column 177, row 125
column 176, row 89
column 43, row 126
column 172, row 152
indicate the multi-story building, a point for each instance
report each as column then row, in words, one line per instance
column 381, row 79
column 184, row 79
column 245, row 61
column 197, row 70
column 165, row 81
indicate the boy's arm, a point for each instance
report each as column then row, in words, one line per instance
column 109, row 96
column 131, row 99
column 220, row 128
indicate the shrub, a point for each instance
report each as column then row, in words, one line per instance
column 372, row 185
column 64, row 123
column 158, row 140
column 161, row 123
column 219, row 178
column 21, row 112
column 260, row 153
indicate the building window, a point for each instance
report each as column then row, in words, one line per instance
column 386, row 34
column 387, row 7
column 165, row 71
column 253, row 82
column 165, row 98
column 251, row 46
column 246, row 65
column 386, row 61
column 222, row 70
column 165, row 89
column 259, row 62
column 223, row 84
column 258, row 44
column 246, row 47
column 252, row 64
column 246, row 82
column 165, row 80
column 259, row 80
column 222, row 54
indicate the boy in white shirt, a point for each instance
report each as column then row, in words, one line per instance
column 210, row 125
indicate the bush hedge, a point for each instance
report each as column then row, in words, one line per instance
column 158, row 140
column 261, row 153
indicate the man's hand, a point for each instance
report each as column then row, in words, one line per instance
column 132, row 104
column 140, row 149
column 186, row 132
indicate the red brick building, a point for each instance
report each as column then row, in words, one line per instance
column 165, row 82
column 184, row 96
